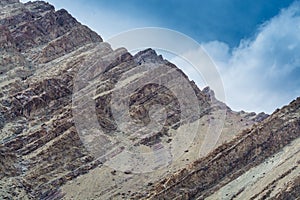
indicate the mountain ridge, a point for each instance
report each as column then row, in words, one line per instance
column 43, row 51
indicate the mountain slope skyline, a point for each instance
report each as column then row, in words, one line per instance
column 76, row 113
column 254, row 44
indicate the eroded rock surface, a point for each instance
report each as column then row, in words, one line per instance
column 43, row 155
column 260, row 163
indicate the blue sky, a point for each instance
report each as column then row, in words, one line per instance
column 254, row 43
column 225, row 20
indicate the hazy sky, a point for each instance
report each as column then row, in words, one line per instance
column 254, row 43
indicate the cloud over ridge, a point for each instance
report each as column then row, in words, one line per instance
column 263, row 72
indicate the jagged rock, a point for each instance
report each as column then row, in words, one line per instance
column 148, row 55
column 42, row 53
column 252, row 148
column 260, row 117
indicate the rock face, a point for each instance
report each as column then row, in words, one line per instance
column 44, row 155
column 260, row 163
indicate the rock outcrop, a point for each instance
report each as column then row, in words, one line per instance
column 234, row 169
column 45, row 156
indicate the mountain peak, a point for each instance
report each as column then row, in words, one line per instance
column 148, row 55
column 63, row 129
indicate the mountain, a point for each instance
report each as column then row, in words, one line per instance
column 80, row 120
column 260, row 163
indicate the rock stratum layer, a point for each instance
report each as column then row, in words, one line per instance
column 260, row 163
column 44, row 156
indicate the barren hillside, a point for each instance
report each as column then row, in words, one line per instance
column 58, row 80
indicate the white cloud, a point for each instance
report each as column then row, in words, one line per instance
column 261, row 74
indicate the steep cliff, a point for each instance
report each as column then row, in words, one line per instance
column 49, row 63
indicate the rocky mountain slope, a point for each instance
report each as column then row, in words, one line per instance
column 260, row 163
column 51, row 69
